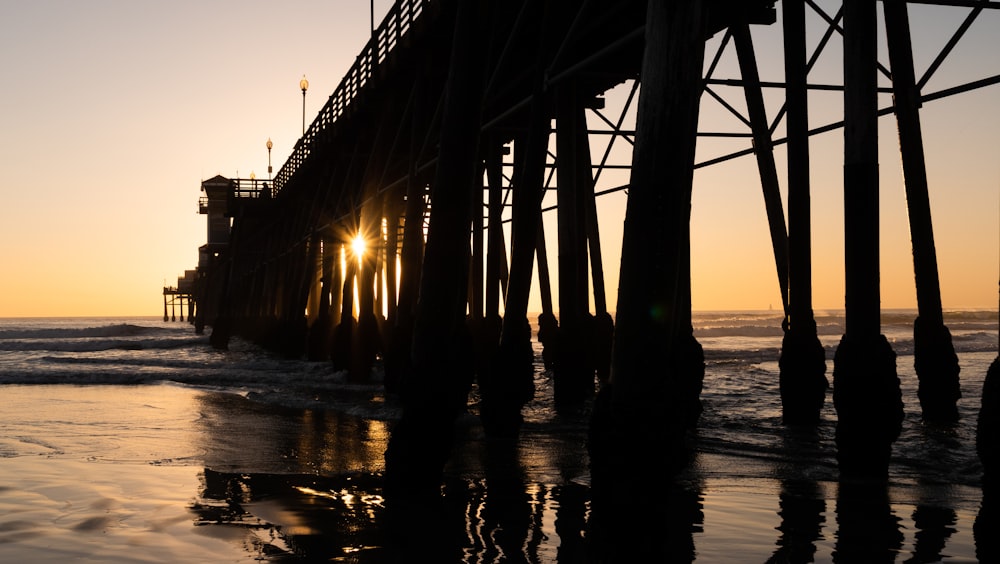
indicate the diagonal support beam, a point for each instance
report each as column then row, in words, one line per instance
column 764, row 151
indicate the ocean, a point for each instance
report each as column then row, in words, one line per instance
column 133, row 440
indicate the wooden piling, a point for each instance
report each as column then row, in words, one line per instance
column 435, row 388
column 488, row 257
column 602, row 328
column 548, row 325
column 343, row 333
column 802, row 364
column 393, row 209
column 314, row 278
column 496, row 251
column 657, row 365
column 477, row 259
column 397, row 360
column 510, row 383
column 573, row 379
column 934, row 355
column 365, row 342
column 866, row 390
column 321, row 327
column 988, row 425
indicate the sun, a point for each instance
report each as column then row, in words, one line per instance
column 358, row 245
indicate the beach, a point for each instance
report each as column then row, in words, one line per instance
column 181, row 464
column 163, row 473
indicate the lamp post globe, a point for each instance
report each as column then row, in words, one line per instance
column 304, row 85
column 269, row 145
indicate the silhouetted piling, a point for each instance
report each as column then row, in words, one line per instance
column 802, row 367
column 477, row 255
column 988, row 425
column 222, row 325
column 510, row 383
column 496, row 252
column 397, row 361
column 484, row 329
column 657, row 365
column 802, row 363
column 393, row 210
column 340, row 352
column 320, row 331
column 866, row 390
column 366, row 342
column 573, row 378
column 987, row 430
column 289, row 335
column 867, row 529
column 601, row 336
column 934, row 355
column 436, row 385
column 987, row 523
column 549, row 334
column 601, row 342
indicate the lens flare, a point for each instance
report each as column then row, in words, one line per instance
column 358, row 246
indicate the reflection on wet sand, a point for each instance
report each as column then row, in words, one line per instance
column 801, row 508
column 238, row 434
column 300, row 485
column 986, row 529
column 281, row 517
column 801, row 501
column 647, row 523
column 304, row 484
column 934, row 524
column 867, row 528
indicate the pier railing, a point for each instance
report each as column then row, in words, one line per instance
column 242, row 188
column 384, row 39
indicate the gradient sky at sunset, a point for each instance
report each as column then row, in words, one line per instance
column 113, row 112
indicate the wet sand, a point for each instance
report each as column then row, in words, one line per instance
column 164, row 473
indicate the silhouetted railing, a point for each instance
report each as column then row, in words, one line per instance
column 243, row 188
column 394, row 26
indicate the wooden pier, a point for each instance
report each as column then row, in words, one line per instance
column 180, row 297
column 441, row 148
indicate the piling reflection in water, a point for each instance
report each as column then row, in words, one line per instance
column 934, row 526
column 986, row 526
column 296, row 517
column 307, row 484
column 303, row 517
column 867, row 528
column 801, row 502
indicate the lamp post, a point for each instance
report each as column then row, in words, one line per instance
column 269, row 145
column 304, row 85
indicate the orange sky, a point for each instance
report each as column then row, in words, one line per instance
column 112, row 113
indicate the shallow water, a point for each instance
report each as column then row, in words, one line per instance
column 136, row 442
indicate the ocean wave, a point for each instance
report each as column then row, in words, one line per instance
column 739, row 331
column 127, row 363
column 92, row 344
column 102, row 331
